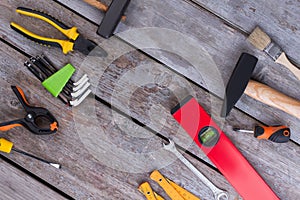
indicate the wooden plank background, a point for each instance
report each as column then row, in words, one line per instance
column 88, row 149
column 223, row 43
column 17, row 185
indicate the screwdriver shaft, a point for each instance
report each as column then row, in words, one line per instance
column 37, row 158
column 244, row 131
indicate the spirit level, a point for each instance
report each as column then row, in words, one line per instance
column 221, row 151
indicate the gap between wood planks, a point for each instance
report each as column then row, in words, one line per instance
column 107, row 104
column 140, row 51
column 229, row 23
column 136, row 121
column 197, row 5
column 102, row 101
column 27, row 55
column 15, row 165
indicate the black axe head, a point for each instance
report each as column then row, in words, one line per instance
column 112, row 17
column 238, row 82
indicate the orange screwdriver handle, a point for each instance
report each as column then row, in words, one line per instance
column 278, row 134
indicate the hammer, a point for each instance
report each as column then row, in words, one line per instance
column 240, row 83
column 113, row 15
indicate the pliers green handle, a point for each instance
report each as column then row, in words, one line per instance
column 75, row 42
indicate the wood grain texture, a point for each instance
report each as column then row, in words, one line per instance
column 106, row 158
column 89, row 150
column 217, row 39
column 273, row 98
column 87, row 174
column 99, row 70
column 279, row 19
column 259, row 39
column 97, row 4
column 18, row 185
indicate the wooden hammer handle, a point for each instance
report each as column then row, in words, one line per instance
column 100, row 6
column 273, row 98
column 97, row 4
column 282, row 59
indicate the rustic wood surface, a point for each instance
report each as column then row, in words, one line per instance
column 279, row 19
column 104, row 154
column 17, row 185
column 213, row 35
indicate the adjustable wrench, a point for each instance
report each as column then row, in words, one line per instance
column 218, row 193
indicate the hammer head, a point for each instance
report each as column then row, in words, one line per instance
column 238, row 82
column 112, row 18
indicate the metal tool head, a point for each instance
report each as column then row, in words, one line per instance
column 73, row 93
column 170, row 147
column 222, row 196
column 57, row 166
column 238, row 81
column 38, row 120
column 79, row 100
column 88, row 47
column 112, row 17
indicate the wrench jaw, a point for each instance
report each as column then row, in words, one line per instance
column 222, row 196
column 218, row 193
column 170, row 147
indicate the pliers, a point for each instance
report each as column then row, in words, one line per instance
column 76, row 41
column 37, row 120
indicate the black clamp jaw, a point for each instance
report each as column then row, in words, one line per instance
column 38, row 120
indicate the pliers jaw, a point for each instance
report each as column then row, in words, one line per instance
column 38, row 120
column 88, row 47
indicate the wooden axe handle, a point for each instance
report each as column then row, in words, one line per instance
column 273, row 98
column 100, row 6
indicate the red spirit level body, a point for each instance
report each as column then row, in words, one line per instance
column 221, row 151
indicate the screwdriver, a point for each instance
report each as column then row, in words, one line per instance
column 277, row 134
column 7, row 146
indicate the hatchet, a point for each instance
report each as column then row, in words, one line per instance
column 113, row 15
column 240, row 83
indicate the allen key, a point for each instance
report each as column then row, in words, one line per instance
column 73, row 93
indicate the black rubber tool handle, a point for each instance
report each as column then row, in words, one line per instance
column 238, row 81
column 112, row 18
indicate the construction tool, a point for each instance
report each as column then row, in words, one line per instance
column 76, row 41
column 278, row 134
column 7, row 146
column 263, row 42
column 146, row 190
column 220, row 150
column 72, row 94
column 240, row 83
column 114, row 13
column 174, row 191
column 37, row 120
column 57, row 81
column 218, row 193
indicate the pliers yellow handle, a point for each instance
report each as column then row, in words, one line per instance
column 71, row 33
